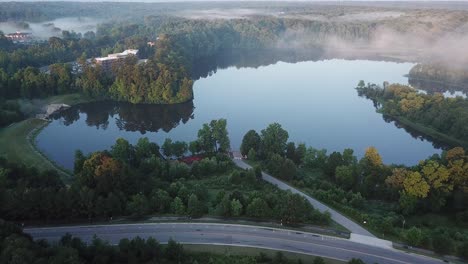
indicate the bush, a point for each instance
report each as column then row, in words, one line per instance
column 463, row 250
column 318, row 260
column 252, row 155
column 174, row 251
column 413, row 236
column 442, row 243
column 356, row 261
column 462, row 218
column 178, row 170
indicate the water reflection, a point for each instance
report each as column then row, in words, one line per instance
column 252, row 59
column 438, row 87
column 129, row 117
column 438, row 144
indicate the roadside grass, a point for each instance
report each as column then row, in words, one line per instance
column 254, row 252
column 16, row 146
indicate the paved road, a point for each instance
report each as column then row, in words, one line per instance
column 337, row 217
column 237, row 235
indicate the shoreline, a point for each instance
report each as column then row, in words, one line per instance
column 68, row 100
column 31, row 138
column 430, row 132
column 461, row 85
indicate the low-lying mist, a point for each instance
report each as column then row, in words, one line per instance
column 448, row 49
column 45, row 30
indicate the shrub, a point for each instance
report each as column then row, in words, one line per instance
column 413, row 236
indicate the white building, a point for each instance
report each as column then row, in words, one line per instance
column 107, row 62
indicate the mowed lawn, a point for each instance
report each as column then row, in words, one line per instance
column 69, row 99
column 15, row 145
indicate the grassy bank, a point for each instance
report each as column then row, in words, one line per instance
column 17, row 140
column 16, row 145
column 31, row 107
column 250, row 251
column 69, row 99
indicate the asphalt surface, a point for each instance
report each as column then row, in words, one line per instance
column 237, row 235
column 337, row 217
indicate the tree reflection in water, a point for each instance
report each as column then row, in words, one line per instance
column 129, row 117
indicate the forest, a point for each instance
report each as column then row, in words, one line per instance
column 144, row 179
column 423, row 205
column 182, row 43
column 447, row 116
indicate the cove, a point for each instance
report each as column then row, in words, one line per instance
column 315, row 101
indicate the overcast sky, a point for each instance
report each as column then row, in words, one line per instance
column 231, row 0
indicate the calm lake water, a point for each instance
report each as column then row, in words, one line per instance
column 315, row 102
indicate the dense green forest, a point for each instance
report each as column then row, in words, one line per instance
column 448, row 116
column 384, row 196
column 167, row 75
column 182, row 44
column 137, row 180
column 424, row 205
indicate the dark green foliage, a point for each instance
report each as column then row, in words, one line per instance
column 174, row 251
column 442, row 242
column 9, row 112
column 414, row 236
column 251, row 141
column 177, row 148
column 445, row 115
column 134, row 180
column 356, row 261
column 274, row 140
column 318, row 260
column 138, row 205
column 213, row 137
column 283, row 168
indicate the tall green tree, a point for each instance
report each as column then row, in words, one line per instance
column 251, row 140
column 274, row 139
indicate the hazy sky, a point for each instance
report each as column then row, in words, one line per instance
column 232, row 0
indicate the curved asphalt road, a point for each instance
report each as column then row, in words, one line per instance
column 337, row 217
column 237, row 235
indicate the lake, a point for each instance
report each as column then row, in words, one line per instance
column 315, row 101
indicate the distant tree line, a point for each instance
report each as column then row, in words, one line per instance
column 440, row 73
column 166, row 78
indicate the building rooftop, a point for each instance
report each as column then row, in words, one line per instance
column 114, row 56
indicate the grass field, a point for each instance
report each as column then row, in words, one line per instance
column 16, row 146
column 249, row 251
column 69, row 99
column 16, row 140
